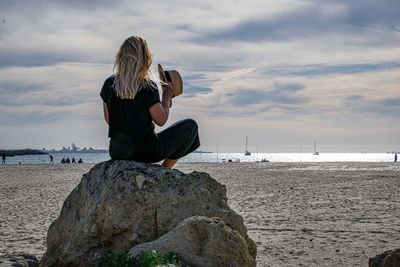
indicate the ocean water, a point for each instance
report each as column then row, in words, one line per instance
column 220, row 157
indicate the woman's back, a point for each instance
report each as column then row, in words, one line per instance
column 130, row 116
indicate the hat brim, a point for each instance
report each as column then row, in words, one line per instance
column 163, row 80
column 176, row 80
column 161, row 73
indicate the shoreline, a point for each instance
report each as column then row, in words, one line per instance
column 22, row 152
column 224, row 162
column 299, row 214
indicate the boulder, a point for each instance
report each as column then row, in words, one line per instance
column 202, row 241
column 121, row 204
column 390, row 258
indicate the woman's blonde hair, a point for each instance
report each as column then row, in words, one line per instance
column 132, row 65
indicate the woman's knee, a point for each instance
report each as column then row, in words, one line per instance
column 191, row 124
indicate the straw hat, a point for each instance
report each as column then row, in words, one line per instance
column 171, row 76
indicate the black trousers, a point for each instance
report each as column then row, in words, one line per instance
column 176, row 141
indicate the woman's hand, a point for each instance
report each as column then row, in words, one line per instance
column 168, row 92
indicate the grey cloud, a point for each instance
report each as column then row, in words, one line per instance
column 13, row 89
column 354, row 98
column 46, row 101
column 370, row 12
column 386, row 107
column 223, row 113
column 391, row 103
column 289, row 87
column 263, row 112
column 309, row 23
column 18, row 118
column 26, row 6
column 199, row 71
column 31, row 35
column 281, row 94
column 315, row 70
column 20, row 95
column 193, row 90
column 359, row 105
column 11, row 57
column 196, row 83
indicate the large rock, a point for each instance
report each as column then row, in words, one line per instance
column 390, row 258
column 120, row 204
column 202, row 241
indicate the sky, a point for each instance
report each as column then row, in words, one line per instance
column 282, row 72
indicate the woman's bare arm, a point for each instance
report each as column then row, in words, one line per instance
column 105, row 109
column 159, row 112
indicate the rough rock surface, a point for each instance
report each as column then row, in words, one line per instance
column 202, row 241
column 22, row 260
column 390, row 258
column 120, row 204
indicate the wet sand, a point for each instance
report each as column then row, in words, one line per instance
column 299, row 214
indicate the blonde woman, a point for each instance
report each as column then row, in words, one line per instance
column 132, row 105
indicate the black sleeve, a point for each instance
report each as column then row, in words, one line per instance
column 105, row 90
column 152, row 95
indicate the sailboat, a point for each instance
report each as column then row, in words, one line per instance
column 315, row 148
column 246, row 151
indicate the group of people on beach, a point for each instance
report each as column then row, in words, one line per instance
column 68, row 160
column 65, row 160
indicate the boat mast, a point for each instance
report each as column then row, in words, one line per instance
column 315, row 148
column 246, row 151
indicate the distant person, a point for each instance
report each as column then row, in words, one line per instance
column 68, row 160
column 395, row 157
column 3, row 157
column 80, row 160
column 51, row 158
column 132, row 105
column 63, row 161
column 73, row 160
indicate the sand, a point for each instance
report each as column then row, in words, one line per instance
column 299, row 214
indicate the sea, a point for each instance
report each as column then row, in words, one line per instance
column 218, row 157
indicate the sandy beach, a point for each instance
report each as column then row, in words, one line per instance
column 299, row 214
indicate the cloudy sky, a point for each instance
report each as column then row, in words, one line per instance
column 281, row 72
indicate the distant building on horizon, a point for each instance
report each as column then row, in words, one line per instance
column 74, row 149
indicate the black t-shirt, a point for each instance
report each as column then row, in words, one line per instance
column 130, row 116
